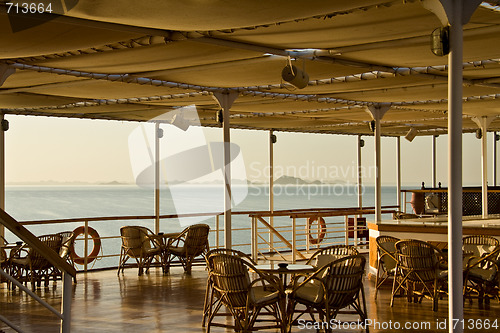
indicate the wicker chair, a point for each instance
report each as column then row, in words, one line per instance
column 418, row 265
column 331, row 253
column 67, row 239
column 386, row 260
column 34, row 267
column 481, row 265
column 189, row 244
column 330, row 291
column 245, row 299
column 209, row 292
column 141, row 244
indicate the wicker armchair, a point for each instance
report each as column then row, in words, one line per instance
column 244, row 299
column 330, row 291
column 67, row 239
column 331, row 253
column 34, row 267
column 418, row 265
column 386, row 260
column 209, row 292
column 189, row 244
column 141, row 244
column 481, row 265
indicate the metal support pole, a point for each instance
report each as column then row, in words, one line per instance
column 398, row 167
column 484, row 167
column 360, row 175
column 483, row 123
column 225, row 100
column 494, row 158
column 157, row 178
column 294, row 240
column 2, row 171
column 456, row 13
column 255, row 239
column 434, row 183
column 66, row 303
column 455, row 76
column 271, row 187
column 377, row 111
column 86, row 246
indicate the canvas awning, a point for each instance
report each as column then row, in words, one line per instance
column 125, row 60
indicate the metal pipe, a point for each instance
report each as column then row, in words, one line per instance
column 66, row 303
column 360, row 175
column 2, row 171
column 157, row 177
column 494, row 158
column 271, row 186
column 455, row 75
column 484, row 166
column 378, row 180
column 398, row 167
column 434, row 161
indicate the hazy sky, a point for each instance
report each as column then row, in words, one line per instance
column 59, row 149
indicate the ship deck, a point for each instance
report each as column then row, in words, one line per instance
column 105, row 302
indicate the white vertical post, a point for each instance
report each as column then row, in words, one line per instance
column 86, row 246
column 2, row 170
column 271, row 187
column 66, row 303
column 494, row 158
column 157, row 178
column 455, row 79
column 484, row 166
column 483, row 123
column 434, row 183
column 294, row 240
column 5, row 72
column 398, row 167
column 225, row 100
column 360, row 174
column 377, row 111
column 255, row 238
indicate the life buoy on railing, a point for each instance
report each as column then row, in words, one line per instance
column 95, row 251
column 321, row 229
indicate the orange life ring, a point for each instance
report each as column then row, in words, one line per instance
column 321, row 227
column 95, row 251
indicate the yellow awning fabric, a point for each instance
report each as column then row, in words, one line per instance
column 125, row 60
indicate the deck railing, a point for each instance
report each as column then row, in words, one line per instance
column 67, row 272
column 274, row 236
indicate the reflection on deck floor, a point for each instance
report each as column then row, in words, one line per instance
column 155, row 302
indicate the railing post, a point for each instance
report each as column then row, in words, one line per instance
column 308, row 230
column 217, row 230
column 356, row 231
column 86, row 246
column 294, row 240
column 346, row 230
column 254, row 238
column 66, row 303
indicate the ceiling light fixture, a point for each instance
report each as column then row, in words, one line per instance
column 296, row 77
column 412, row 133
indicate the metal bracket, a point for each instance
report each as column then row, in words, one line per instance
column 443, row 9
column 5, row 72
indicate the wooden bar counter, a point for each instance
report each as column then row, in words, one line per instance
column 431, row 229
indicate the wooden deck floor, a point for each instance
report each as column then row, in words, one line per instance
column 104, row 302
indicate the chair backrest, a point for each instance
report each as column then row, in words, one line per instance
column 135, row 239
column 36, row 259
column 196, row 241
column 67, row 239
column 232, row 252
column 331, row 253
column 418, row 259
column 230, row 278
column 343, row 280
column 386, row 251
column 477, row 245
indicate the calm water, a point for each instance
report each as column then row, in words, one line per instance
column 26, row 203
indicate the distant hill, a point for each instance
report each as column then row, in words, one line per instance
column 289, row 180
